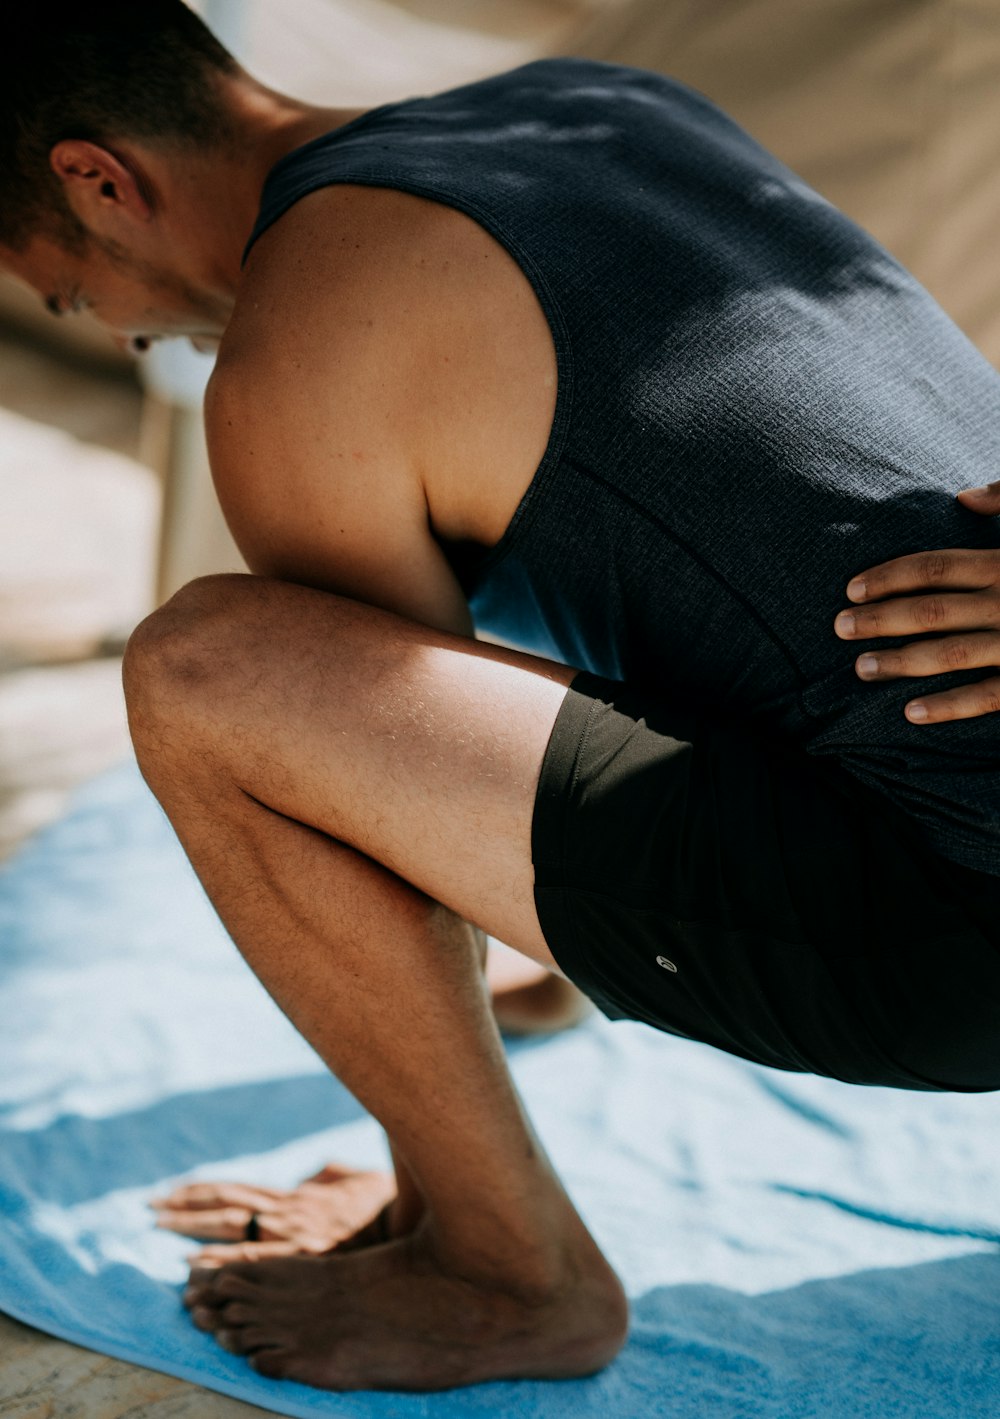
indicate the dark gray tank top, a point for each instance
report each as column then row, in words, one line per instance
column 755, row 402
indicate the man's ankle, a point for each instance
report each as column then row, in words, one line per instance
column 533, row 1264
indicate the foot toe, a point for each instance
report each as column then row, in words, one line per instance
column 202, row 1278
column 233, row 1284
column 206, row 1318
column 197, row 1297
column 239, row 1313
column 261, row 1337
column 202, row 1290
column 271, row 1363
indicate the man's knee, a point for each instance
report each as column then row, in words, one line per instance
column 177, row 657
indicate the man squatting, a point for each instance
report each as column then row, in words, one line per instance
column 565, row 356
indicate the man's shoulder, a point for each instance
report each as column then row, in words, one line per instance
column 339, row 259
column 389, row 303
column 395, row 325
column 345, row 294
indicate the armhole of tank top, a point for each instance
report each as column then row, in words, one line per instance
column 558, row 433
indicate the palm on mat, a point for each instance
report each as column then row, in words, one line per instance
column 335, row 1206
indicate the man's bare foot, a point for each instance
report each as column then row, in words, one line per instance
column 336, row 1206
column 528, row 999
column 393, row 1317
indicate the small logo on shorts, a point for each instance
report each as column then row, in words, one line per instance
column 667, row 965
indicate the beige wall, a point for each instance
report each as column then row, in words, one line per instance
column 891, row 108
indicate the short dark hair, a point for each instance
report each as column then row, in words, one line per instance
column 98, row 70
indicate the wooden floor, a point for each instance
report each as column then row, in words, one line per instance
column 42, row 1378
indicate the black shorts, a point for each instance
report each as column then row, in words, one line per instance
column 736, row 891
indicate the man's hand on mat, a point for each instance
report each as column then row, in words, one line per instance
column 957, row 591
column 332, row 1207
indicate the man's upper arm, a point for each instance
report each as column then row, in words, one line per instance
column 318, row 486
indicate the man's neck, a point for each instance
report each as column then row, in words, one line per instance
column 218, row 194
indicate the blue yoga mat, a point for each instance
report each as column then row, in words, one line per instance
column 792, row 1246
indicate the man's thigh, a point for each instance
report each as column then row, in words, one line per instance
column 419, row 749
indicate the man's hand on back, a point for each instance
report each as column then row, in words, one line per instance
column 954, row 593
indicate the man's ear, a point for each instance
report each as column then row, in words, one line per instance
column 101, row 188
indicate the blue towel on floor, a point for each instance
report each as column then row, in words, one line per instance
column 792, row 1246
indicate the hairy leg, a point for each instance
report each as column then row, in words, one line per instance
column 340, row 1207
column 352, row 790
